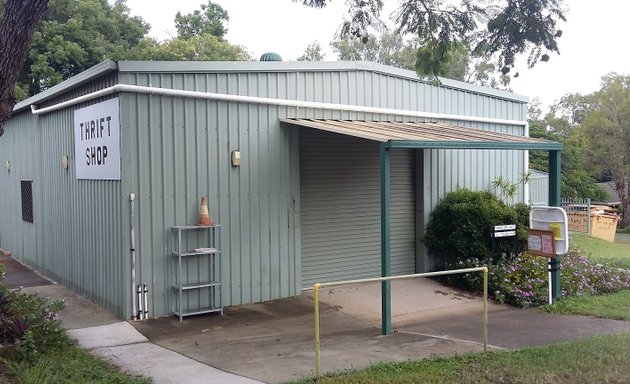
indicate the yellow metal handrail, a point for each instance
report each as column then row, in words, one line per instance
column 318, row 286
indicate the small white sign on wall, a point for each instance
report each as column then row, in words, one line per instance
column 97, row 141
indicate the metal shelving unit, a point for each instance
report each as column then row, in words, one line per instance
column 200, row 293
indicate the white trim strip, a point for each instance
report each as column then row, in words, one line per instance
column 269, row 101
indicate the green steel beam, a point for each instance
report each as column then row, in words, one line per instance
column 554, row 178
column 554, row 201
column 386, row 257
column 548, row 146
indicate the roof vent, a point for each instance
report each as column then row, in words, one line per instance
column 270, row 56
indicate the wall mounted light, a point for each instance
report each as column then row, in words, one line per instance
column 64, row 162
column 8, row 165
column 236, row 158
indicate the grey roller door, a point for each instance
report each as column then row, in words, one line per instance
column 340, row 208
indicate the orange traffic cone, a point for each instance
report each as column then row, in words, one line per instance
column 204, row 215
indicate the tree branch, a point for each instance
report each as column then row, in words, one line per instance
column 16, row 31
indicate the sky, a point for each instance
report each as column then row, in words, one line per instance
column 592, row 44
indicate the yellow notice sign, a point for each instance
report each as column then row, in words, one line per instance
column 556, row 228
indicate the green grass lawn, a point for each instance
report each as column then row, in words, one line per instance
column 69, row 364
column 602, row 359
column 601, row 250
column 613, row 306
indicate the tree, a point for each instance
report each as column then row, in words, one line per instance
column 203, row 47
column 512, row 28
column 387, row 48
column 200, row 36
column 75, row 35
column 19, row 19
column 570, row 112
column 390, row 48
column 211, row 18
column 577, row 180
column 313, row 52
column 607, row 128
column 484, row 73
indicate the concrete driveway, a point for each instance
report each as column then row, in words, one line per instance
column 273, row 342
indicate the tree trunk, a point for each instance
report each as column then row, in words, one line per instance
column 623, row 190
column 625, row 215
column 16, row 31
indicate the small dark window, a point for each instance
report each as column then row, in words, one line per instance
column 27, row 200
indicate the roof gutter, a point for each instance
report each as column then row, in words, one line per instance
column 268, row 101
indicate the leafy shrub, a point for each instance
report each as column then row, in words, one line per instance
column 522, row 280
column 30, row 323
column 460, row 226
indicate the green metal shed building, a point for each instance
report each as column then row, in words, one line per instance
column 304, row 205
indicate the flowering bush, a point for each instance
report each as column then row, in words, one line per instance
column 522, row 280
column 29, row 323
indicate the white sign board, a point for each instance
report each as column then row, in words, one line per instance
column 552, row 219
column 97, row 141
column 504, row 227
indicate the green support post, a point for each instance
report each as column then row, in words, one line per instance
column 554, row 201
column 386, row 265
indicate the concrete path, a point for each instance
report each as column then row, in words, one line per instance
column 17, row 275
column 79, row 312
column 124, row 346
column 425, row 307
column 273, row 342
column 513, row 328
column 622, row 238
column 410, row 299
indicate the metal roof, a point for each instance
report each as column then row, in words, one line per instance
column 300, row 66
column 426, row 135
column 108, row 66
column 84, row 77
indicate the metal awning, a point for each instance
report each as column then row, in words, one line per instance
column 433, row 136
column 426, row 135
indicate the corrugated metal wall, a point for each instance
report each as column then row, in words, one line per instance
column 539, row 188
column 341, row 208
column 181, row 152
column 176, row 150
column 388, row 91
column 21, row 147
column 76, row 236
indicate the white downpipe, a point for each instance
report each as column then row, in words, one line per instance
column 132, row 198
column 145, row 292
column 269, row 101
column 526, row 168
column 550, row 286
column 140, row 305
